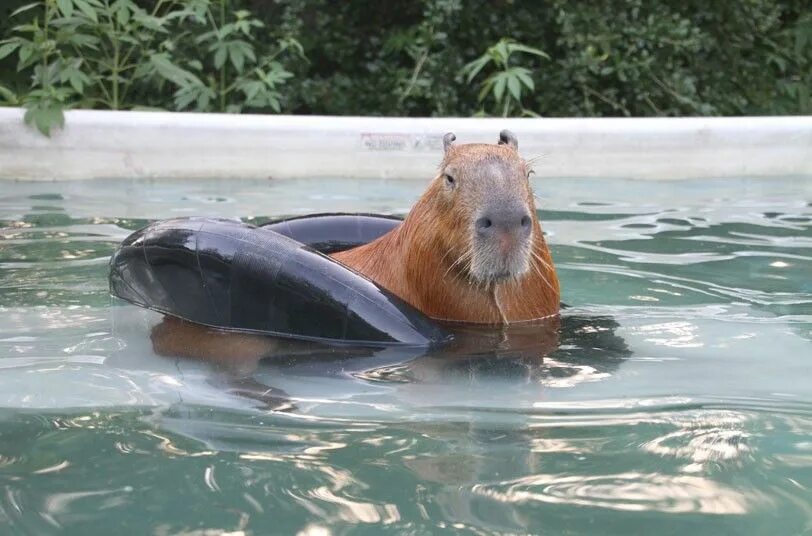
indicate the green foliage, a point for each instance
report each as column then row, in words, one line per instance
column 115, row 54
column 513, row 78
column 44, row 108
column 426, row 58
column 607, row 58
column 226, row 67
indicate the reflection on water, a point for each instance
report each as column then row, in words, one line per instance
column 233, row 470
column 673, row 395
column 628, row 491
column 550, row 353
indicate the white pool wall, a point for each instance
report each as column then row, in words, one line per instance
column 155, row 145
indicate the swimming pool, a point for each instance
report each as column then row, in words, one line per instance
column 679, row 401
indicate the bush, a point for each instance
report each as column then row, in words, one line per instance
column 180, row 54
column 606, row 58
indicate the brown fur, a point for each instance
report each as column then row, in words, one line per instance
column 418, row 260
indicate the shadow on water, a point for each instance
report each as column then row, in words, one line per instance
column 560, row 351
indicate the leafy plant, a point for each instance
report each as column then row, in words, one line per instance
column 610, row 57
column 114, row 54
column 82, row 53
column 419, row 43
column 45, row 101
column 794, row 64
column 507, row 82
column 237, row 75
column 236, row 70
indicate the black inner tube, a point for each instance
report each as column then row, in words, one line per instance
column 333, row 232
column 230, row 275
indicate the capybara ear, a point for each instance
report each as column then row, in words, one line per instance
column 448, row 139
column 507, row 137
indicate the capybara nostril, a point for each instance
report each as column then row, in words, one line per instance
column 483, row 224
column 506, row 221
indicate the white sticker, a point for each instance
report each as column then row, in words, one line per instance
column 378, row 141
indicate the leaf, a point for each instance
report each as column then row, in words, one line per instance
column 25, row 8
column 26, row 28
column 236, row 54
column 45, row 115
column 499, row 87
column 87, row 10
column 77, row 83
column 502, row 49
column 237, row 59
column 123, row 15
column 291, row 43
column 148, row 22
column 197, row 93
column 168, row 70
column 514, row 87
column 203, row 101
column 25, row 54
column 83, row 40
column 220, row 56
column 130, row 40
column 183, row 98
column 47, row 75
column 7, row 49
column 205, row 37
column 225, row 31
column 524, row 76
column 475, row 67
column 78, row 80
column 486, row 88
column 518, row 47
column 65, row 6
column 251, row 90
column 248, row 50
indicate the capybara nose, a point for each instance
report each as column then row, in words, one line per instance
column 514, row 223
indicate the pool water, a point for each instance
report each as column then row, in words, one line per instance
column 678, row 400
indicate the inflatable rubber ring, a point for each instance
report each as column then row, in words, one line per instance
column 231, row 275
column 333, row 232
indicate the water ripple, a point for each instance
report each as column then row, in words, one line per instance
column 672, row 394
column 626, row 491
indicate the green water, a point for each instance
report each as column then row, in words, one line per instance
column 679, row 400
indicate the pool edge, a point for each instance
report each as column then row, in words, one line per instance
column 154, row 145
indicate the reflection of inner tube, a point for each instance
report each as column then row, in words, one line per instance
column 230, row 275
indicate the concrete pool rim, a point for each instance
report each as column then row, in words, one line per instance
column 155, row 145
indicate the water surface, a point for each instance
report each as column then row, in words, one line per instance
column 678, row 400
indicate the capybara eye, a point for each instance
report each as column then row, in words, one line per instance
column 449, row 179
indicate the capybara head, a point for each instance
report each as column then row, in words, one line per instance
column 483, row 207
